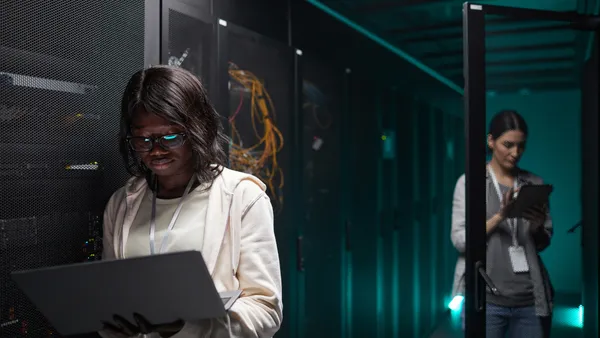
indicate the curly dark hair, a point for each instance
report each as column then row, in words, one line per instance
column 179, row 97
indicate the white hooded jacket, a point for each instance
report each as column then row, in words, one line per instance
column 239, row 249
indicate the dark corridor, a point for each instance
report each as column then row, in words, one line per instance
column 367, row 104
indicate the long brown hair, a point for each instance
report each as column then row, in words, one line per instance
column 178, row 96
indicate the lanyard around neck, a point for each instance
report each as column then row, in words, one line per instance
column 511, row 221
column 173, row 219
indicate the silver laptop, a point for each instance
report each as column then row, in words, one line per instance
column 78, row 298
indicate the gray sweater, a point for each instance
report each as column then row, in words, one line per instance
column 533, row 288
column 517, row 288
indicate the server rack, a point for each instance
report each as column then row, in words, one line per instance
column 365, row 222
column 272, row 66
column 191, row 38
column 62, row 67
column 187, row 39
column 320, row 126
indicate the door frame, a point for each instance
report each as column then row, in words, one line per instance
column 475, row 127
column 590, row 173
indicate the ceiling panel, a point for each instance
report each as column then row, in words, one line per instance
column 520, row 55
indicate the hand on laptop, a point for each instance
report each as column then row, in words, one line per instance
column 122, row 327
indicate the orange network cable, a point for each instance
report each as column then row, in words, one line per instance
column 259, row 159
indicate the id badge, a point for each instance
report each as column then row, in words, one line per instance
column 518, row 259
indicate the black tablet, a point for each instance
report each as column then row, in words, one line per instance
column 529, row 196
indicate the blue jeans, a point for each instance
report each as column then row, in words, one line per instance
column 518, row 322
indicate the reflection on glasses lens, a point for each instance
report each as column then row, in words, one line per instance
column 166, row 142
column 171, row 141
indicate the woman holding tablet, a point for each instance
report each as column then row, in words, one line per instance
column 181, row 198
column 524, row 306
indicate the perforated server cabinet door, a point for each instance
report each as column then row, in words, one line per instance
column 406, row 185
column 261, row 77
column 388, row 242
column 63, row 66
column 190, row 40
column 423, row 253
column 205, row 6
column 322, row 88
column 187, row 38
column 364, row 142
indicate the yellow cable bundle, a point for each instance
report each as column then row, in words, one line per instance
column 259, row 159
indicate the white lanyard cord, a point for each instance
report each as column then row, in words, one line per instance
column 512, row 222
column 173, row 219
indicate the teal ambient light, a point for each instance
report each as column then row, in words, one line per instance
column 569, row 316
column 456, row 303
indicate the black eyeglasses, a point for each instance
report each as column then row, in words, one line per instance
column 167, row 142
